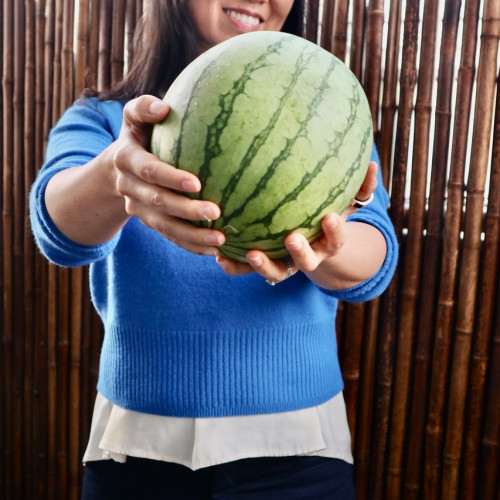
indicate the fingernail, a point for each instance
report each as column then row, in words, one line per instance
column 331, row 222
column 157, row 107
column 209, row 214
column 294, row 244
column 213, row 239
column 190, row 186
column 256, row 261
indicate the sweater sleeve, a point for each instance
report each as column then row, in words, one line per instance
column 375, row 214
column 84, row 131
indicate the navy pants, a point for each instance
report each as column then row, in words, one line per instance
column 290, row 478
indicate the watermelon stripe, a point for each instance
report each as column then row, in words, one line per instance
column 261, row 138
column 312, row 175
column 310, row 221
column 286, row 151
column 226, row 104
column 177, row 148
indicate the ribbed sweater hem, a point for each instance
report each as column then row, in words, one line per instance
column 233, row 372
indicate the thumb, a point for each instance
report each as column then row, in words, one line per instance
column 145, row 109
column 141, row 112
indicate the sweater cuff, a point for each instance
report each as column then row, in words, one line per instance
column 378, row 283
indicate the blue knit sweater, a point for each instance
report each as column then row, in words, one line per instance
column 182, row 338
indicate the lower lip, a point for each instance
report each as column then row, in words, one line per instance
column 245, row 27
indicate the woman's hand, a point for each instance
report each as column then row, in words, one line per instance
column 153, row 190
column 346, row 254
column 91, row 203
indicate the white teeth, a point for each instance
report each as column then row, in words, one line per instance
column 244, row 18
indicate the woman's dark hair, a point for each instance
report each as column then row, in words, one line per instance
column 294, row 21
column 165, row 42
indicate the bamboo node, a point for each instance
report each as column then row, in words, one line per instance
column 489, row 443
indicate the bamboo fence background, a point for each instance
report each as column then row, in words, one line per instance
column 421, row 363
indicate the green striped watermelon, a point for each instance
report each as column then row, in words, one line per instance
column 279, row 132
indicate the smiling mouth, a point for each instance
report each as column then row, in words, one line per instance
column 243, row 18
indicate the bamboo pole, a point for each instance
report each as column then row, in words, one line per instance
column 82, row 46
column 387, row 335
column 63, row 340
column 469, row 269
column 7, row 226
column 94, row 30
column 365, row 411
column 29, row 119
column 390, row 84
column 339, row 45
column 87, row 388
column 420, row 386
column 40, row 81
column 448, row 275
column 357, row 38
column 327, row 25
column 130, row 22
column 52, row 391
column 3, row 372
column 408, row 80
column 58, row 50
column 371, row 78
column 352, row 340
column 310, row 12
column 105, row 27
column 40, row 303
column 51, row 361
column 480, row 361
column 49, row 49
column 40, row 413
column 67, row 63
column 489, row 480
column 74, row 452
column 413, row 256
column 117, row 41
column 17, row 246
column 383, row 389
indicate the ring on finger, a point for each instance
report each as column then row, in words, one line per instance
column 361, row 203
column 289, row 267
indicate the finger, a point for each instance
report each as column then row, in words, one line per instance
column 273, row 270
column 138, row 116
column 184, row 234
column 308, row 257
column 333, row 234
column 166, row 201
column 146, row 109
column 369, row 183
column 301, row 252
column 130, row 158
column 234, row 267
column 138, row 195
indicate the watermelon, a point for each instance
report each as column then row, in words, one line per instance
column 279, row 132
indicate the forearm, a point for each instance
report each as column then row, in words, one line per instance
column 83, row 201
column 360, row 257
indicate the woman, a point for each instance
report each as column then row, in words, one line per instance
column 212, row 383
